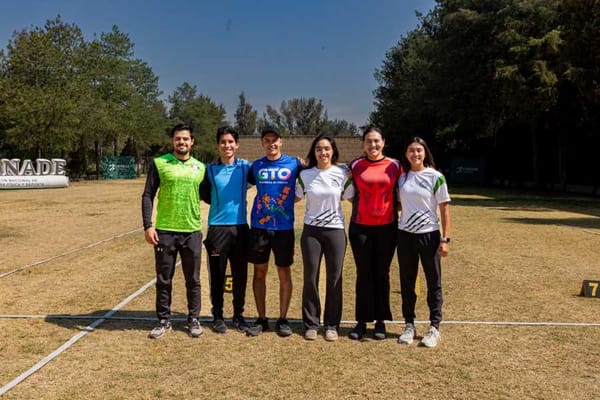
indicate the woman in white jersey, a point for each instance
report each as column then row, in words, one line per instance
column 323, row 184
column 422, row 190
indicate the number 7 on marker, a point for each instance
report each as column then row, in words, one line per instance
column 594, row 286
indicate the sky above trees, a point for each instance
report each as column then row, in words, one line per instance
column 271, row 50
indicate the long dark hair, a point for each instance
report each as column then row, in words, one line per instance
column 427, row 161
column 312, row 159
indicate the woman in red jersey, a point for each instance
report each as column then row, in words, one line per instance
column 372, row 231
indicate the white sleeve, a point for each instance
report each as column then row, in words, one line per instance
column 348, row 192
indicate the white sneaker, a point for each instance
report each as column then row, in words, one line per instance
column 310, row 334
column 408, row 335
column 331, row 335
column 163, row 327
column 194, row 328
column 432, row 337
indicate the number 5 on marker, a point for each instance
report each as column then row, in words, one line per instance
column 228, row 287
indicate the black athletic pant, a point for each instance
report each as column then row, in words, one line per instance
column 227, row 243
column 411, row 247
column 317, row 242
column 189, row 247
column 373, row 248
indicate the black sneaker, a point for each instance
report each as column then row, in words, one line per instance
column 219, row 326
column 261, row 325
column 379, row 333
column 358, row 332
column 283, row 327
column 240, row 323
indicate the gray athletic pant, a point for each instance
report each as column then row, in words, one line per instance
column 411, row 247
column 317, row 242
column 189, row 247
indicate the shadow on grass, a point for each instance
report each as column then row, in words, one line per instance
column 589, row 223
column 145, row 320
column 125, row 320
column 523, row 200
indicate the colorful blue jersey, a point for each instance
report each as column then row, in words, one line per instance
column 229, row 186
column 275, row 181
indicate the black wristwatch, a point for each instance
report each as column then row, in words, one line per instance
column 446, row 240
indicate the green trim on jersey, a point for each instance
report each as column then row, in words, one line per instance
column 438, row 182
column 301, row 182
column 178, row 208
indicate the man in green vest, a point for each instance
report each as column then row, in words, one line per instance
column 177, row 228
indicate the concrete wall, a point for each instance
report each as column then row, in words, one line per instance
column 349, row 147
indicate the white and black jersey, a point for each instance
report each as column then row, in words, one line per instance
column 420, row 193
column 324, row 190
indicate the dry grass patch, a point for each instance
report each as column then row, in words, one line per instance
column 37, row 224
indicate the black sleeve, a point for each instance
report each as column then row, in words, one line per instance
column 205, row 187
column 251, row 179
column 152, row 184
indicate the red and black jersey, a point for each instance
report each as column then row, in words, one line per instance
column 375, row 182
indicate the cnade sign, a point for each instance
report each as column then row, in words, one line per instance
column 28, row 174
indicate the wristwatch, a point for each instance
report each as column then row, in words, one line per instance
column 446, row 240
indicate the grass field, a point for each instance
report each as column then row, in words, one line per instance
column 513, row 258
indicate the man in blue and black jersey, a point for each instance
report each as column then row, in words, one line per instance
column 225, row 189
column 272, row 227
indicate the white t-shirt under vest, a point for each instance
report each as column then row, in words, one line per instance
column 324, row 190
column 420, row 193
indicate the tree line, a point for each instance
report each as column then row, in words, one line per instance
column 64, row 96
column 513, row 82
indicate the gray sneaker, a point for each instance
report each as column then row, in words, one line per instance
column 432, row 337
column 163, row 327
column 283, row 327
column 194, row 328
column 379, row 331
column 219, row 326
column 408, row 335
column 261, row 325
column 239, row 323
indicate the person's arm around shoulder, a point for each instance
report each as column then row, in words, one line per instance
column 251, row 178
column 247, row 165
column 446, row 229
column 299, row 190
column 348, row 191
column 205, row 186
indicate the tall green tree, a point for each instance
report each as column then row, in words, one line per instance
column 478, row 76
column 65, row 97
column 199, row 111
column 122, row 104
column 304, row 116
column 41, row 89
column 245, row 117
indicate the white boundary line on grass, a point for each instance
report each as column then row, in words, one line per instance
column 68, row 252
column 73, row 340
column 210, row 319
